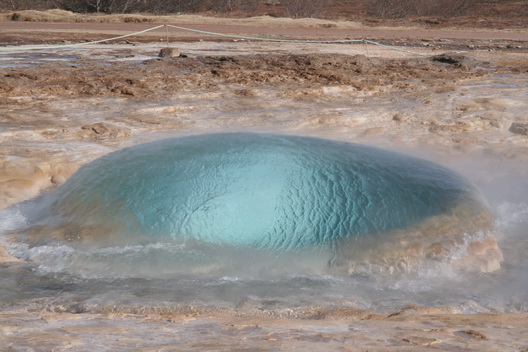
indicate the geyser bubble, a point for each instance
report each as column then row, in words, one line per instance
column 369, row 208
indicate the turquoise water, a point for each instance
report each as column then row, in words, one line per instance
column 262, row 191
column 104, row 241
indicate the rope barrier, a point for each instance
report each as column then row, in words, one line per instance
column 394, row 48
column 334, row 41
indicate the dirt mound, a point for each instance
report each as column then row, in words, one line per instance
column 326, row 69
column 159, row 77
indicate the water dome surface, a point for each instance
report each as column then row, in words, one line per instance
column 255, row 190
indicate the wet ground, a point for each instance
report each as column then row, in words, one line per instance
column 74, row 104
column 61, row 109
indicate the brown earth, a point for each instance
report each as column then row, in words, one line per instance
column 68, row 107
column 158, row 78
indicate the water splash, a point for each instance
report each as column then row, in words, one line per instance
column 158, row 272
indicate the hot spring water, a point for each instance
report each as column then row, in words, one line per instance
column 252, row 222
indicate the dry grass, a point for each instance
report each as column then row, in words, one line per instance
column 66, row 16
column 264, row 21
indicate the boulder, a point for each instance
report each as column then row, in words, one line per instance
column 169, row 52
column 519, row 128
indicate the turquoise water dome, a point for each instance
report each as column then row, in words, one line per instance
column 273, row 192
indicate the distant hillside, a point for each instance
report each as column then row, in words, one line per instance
column 500, row 13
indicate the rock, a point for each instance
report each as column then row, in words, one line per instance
column 169, row 52
column 519, row 128
column 57, row 179
column 102, row 130
column 455, row 59
column 398, row 117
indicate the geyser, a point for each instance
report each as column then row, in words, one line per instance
column 271, row 192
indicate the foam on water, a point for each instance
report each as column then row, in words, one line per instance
column 145, row 277
column 13, row 218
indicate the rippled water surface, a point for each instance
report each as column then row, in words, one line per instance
column 253, row 190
